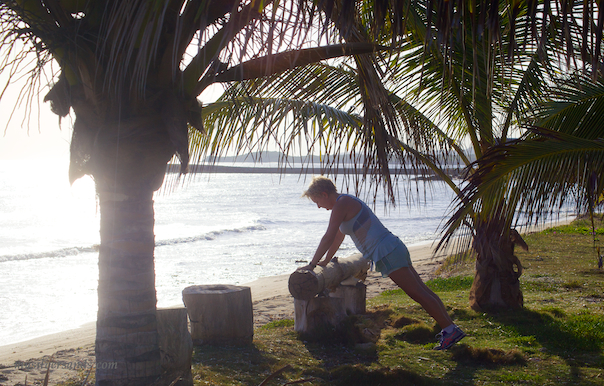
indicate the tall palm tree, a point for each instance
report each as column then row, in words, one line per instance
column 131, row 72
column 485, row 85
column 481, row 94
column 482, row 85
column 487, row 224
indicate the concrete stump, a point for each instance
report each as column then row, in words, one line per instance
column 175, row 345
column 220, row 314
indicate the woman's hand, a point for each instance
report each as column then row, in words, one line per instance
column 324, row 262
column 308, row 267
column 321, row 263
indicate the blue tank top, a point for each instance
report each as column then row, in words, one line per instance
column 370, row 236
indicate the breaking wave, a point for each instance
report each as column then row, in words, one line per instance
column 208, row 236
column 72, row 251
column 64, row 252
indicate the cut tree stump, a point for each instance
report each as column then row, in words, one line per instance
column 175, row 345
column 316, row 313
column 347, row 295
column 354, row 297
column 309, row 315
column 220, row 314
column 305, row 284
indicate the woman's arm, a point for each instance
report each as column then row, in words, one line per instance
column 333, row 249
column 333, row 237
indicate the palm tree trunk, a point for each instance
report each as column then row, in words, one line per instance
column 128, row 167
column 127, row 349
column 496, row 285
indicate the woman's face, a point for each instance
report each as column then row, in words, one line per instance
column 322, row 201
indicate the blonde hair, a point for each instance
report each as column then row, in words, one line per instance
column 318, row 185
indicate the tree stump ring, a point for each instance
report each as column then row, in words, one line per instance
column 220, row 314
column 303, row 284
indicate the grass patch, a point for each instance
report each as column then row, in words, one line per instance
column 574, row 229
column 417, row 333
column 557, row 338
column 587, row 329
column 454, row 283
column 557, row 332
column 461, row 264
column 278, row 324
column 361, row 375
column 487, row 356
column 573, row 284
column 581, row 226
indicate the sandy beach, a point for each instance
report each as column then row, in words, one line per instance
column 73, row 351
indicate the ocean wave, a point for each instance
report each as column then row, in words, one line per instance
column 64, row 252
column 208, row 236
column 72, row 251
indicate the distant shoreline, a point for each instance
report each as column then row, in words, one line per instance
column 205, row 168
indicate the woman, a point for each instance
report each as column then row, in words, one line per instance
column 351, row 216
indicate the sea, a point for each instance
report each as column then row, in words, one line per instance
column 210, row 228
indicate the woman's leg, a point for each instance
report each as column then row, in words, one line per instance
column 410, row 282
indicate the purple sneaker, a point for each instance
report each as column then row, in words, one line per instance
column 448, row 340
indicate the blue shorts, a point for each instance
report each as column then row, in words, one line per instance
column 399, row 258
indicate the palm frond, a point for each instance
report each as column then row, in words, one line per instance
column 538, row 177
column 576, row 107
column 336, row 90
column 251, row 124
column 277, row 63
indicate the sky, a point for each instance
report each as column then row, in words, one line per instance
column 32, row 141
column 32, row 135
column 42, row 138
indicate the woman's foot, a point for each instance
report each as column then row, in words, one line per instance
column 447, row 340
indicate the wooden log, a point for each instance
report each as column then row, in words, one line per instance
column 220, row 314
column 175, row 345
column 305, row 284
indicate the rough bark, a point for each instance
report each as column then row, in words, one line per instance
column 496, row 285
column 318, row 312
column 305, row 284
column 127, row 348
column 127, row 169
column 176, row 346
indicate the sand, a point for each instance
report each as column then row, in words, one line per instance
column 73, row 351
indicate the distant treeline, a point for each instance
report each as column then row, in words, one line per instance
column 210, row 168
column 278, row 157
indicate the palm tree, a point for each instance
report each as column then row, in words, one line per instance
column 131, row 72
column 560, row 158
column 479, row 86
column 487, row 93
column 488, row 224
